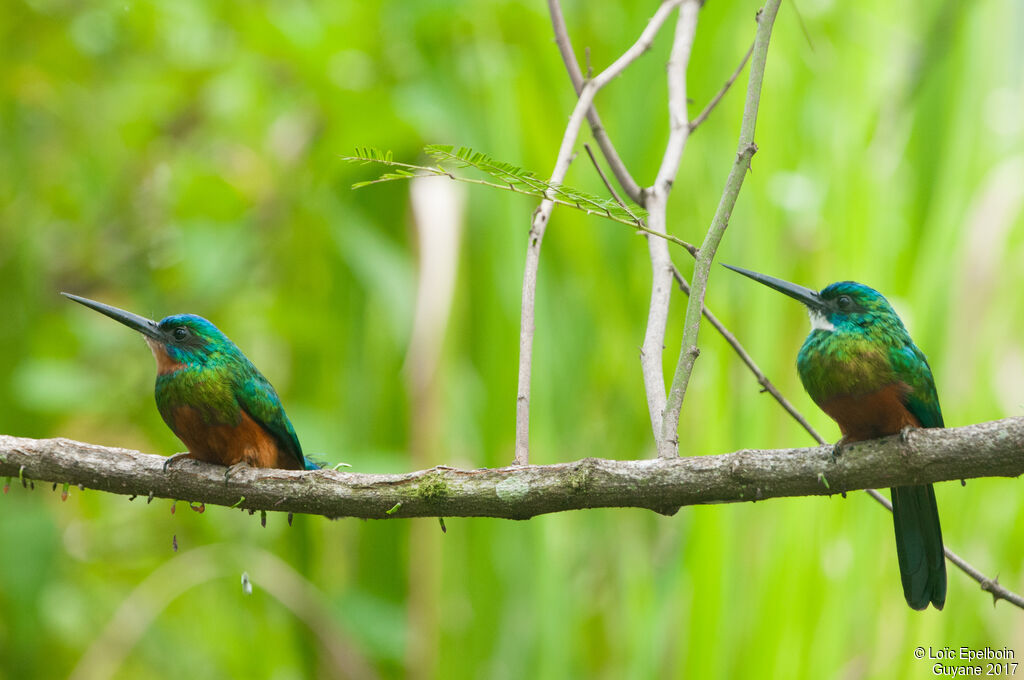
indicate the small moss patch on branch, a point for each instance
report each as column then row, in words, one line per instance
column 579, row 480
column 434, row 488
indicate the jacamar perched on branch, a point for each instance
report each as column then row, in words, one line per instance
column 211, row 395
column 861, row 368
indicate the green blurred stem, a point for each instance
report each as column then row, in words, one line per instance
column 109, row 651
column 668, row 442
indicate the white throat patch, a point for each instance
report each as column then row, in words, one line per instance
column 820, row 321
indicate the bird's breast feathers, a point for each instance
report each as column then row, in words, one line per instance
column 834, row 363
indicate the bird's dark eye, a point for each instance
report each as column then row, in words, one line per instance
column 180, row 333
column 844, row 301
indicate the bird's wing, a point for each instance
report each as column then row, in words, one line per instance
column 922, row 400
column 257, row 397
column 915, row 513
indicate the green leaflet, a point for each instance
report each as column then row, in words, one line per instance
column 506, row 176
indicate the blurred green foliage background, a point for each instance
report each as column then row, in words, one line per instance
column 170, row 157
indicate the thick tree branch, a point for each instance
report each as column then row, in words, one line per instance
column 668, row 442
column 520, row 492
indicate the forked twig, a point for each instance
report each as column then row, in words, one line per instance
column 542, row 214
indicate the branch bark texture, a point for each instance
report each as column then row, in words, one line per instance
column 519, row 492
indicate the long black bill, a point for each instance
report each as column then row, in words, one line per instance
column 133, row 321
column 809, row 297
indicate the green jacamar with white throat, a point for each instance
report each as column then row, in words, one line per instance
column 860, row 366
column 211, row 396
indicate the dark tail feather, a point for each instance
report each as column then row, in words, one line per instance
column 919, row 545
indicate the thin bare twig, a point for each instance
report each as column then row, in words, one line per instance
column 626, row 181
column 679, row 128
column 542, row 214
column 656, row 203
column 608, row 185
column 655, row 198
column 668, row 443
column 702, row 116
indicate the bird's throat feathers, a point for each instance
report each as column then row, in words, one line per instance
column 164, row 363
column 819, row 321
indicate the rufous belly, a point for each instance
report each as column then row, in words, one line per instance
column 229, row 444
column 872, row 415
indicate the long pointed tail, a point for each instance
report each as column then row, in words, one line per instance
column 919, row 545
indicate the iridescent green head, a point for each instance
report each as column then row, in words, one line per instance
column 846, row 305
column 177, row 341
column 190, row 339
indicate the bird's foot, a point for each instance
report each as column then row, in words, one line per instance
column 232, row 469
column 838, row 448
column 176, row 457
column 905, row 434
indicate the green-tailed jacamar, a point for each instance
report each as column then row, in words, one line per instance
column 861, row 368
column 210, row 394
